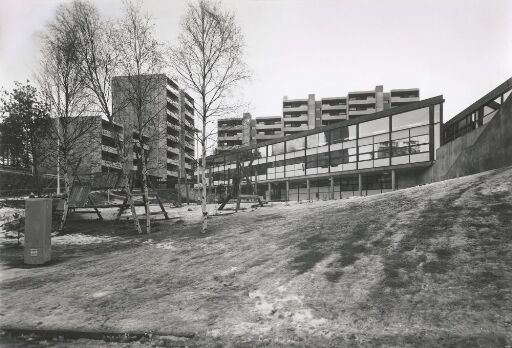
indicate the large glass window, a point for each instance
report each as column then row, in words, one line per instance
column 278, row 149
column 374, row 127
column 341, row 134
column 295, row 144
column 410, row 119
column 381, row 150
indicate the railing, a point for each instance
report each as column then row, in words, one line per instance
column 477, row 114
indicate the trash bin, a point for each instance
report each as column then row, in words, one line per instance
column 38, row 229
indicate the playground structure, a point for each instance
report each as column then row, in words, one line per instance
column 241, row 181
column 81, row 199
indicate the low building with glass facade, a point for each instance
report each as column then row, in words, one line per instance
column 365, row 155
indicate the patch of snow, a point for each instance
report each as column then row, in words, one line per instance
column 82, row 239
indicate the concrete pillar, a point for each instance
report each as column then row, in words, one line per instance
column 287, row 190
column 331, row 188
column 269, row 192
column 309, row 189
column 38, row 229
column 393, row 179
column 360, row 184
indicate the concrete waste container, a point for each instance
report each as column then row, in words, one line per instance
column 38, row 229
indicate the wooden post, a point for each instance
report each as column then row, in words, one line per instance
column 393, row 180
column 309, row 189
column 287, row 190
column 269, row 192
column 331, row 188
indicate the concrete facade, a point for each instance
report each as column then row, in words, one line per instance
column 168, row 118
column 487, row 147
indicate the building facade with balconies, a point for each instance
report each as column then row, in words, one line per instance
column 167, row 125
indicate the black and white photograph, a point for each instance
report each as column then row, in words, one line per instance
column 255, row 173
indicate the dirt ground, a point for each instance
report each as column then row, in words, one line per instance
column 427, row 266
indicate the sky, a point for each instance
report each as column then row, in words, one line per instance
column 460, row 49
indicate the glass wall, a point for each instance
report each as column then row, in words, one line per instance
column 397, row 139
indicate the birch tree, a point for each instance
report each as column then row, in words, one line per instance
column 98, row 64
column 63, row 87
column 140, row 63
column 209, row 62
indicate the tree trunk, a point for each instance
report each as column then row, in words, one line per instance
column 203, row 183
column 131, row 203
column 145, row 188
column 67, row 189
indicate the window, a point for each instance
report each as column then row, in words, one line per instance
column 410, row 119
column 374, row 127
column 278, row 149
column 295, row 144
column 343, row 133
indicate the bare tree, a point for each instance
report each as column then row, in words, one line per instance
column 98, row 64
column 140, row 64
column 209, row 61
column 63, row 86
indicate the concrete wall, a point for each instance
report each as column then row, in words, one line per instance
column 488, row 147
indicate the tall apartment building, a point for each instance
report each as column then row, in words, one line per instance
column 169, row 133
column 268, row 127
column 234, row 132
column 299, row 115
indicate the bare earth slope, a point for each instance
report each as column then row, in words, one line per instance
column 430, row 266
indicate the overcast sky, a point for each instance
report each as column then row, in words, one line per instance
column 460, row 49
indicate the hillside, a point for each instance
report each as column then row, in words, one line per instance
column 430, row 265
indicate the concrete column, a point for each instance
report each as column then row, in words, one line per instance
column 287, row 190
column 269, row 192
column 309, row 189
column 360, row 184
column 331, row 188
column 393, row 179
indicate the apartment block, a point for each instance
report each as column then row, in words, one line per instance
column 269, row 127
column 332, row 110
column 299, row 115
column 168, row 119
column 234, row 132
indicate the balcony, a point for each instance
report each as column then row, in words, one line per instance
column 173, row 161
column 173, row 126
column 173, row 138
column 404, row 99
column 229, row 126
column 187, row 125
column 173, row 149
column 229, row 137
column 111, row 164
column 108, row 149
column 361, row 112
column 172, row 173
column 295, row 108
column 189, row 145
column 288, row 128
column 172, row 89
column 174, row 114
column 334, row 107
column 110, row 134
column 328, row 117
column 362, row 101
column 269, row 126
column 301, row 118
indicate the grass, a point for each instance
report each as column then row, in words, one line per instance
column 427, row 266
